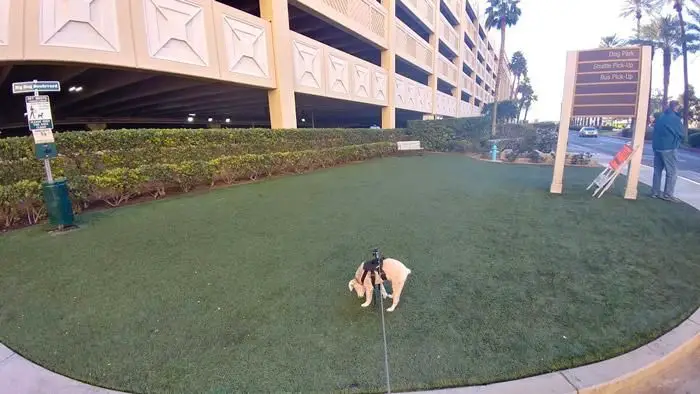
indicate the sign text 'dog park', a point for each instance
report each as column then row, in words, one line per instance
column 607, row 82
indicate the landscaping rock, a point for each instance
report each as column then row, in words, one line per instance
column 504, row 154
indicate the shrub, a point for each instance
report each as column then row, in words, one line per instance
column 512, row 155
column 438, row 135
column 512, row 130
column 535, row 157
column 694, row 140
column 116, row 186
column 22, row 201
column 606, row 128
column 546, row 139
column 91, row 153
column 581, row 158
column 547, row 125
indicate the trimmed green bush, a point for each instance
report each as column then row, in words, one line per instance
column 115, row 166
column 440, row 135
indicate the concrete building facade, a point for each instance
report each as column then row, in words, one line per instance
column 426, row 57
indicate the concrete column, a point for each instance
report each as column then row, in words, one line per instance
column 281, row 99
column 640, row 124
column 564, row 121
column 457, row 92
column 389, row 64
column 435, row 45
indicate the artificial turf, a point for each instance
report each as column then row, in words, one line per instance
column 245, row 288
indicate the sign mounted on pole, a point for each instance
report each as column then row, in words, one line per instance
column 35, row 86
column 39, row 112
column 605, row 83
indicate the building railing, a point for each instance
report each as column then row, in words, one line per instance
column 412, row 48
column 447, row 70
column 468, row 57
column 413, row 96
column 324, row 71
column 468, row 85
column 445, row 104
column 423, row 10
column 368, row 18
column 448, row 35
column 453, row 6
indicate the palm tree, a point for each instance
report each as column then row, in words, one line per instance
column 501, row 14
column 528, row 102
column 518, row 66
column 524, row 92
column 662, row 33
column 689, row 43
column 637, row 9
column 611, row 41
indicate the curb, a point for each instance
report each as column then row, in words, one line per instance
column 606, row 376
column 21, row 376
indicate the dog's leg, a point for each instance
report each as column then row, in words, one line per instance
column 384, row 293
column 398, row 286
column 369, row 292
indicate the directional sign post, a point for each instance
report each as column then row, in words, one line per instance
column 611, row 83
column 40, row 121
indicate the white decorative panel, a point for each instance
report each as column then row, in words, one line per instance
column 4, row 22
column 175, row 31
column 361, row 79
column 399, row 91
column 379, row 87
column 307, row 65
column 338, row 75
column 246, row 47
column 88, row 24
column 412, row 95
column 446, row 105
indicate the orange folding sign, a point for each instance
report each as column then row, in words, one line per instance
column 621, row 157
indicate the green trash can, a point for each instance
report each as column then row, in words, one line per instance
column 58, row 204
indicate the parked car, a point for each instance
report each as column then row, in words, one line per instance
column 588, row 132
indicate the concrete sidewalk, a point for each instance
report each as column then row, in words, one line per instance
column 686, row 189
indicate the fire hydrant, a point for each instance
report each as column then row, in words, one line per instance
column 494, row 152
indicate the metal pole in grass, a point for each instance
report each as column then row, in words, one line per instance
column 377, row 255
column 40, row 120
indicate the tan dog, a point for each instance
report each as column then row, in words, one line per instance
column 396, row 273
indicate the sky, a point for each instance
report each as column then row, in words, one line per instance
column 549, row 28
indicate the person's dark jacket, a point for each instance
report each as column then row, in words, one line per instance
column 668, row 131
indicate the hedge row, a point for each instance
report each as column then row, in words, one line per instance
column 89, row 153
column 22, row 201
column 81, row 143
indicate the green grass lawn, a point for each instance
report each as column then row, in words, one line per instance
column 245, row 288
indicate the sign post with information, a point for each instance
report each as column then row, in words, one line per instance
column 40, row 121
column 612, row 83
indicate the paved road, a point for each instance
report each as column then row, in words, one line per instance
column 688, row 161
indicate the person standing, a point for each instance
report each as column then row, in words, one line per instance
column 667, row 137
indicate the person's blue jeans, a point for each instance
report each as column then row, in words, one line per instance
column 665, row 160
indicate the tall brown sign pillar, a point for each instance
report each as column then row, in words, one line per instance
column 611, row 83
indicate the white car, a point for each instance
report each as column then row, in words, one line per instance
column 588, row 132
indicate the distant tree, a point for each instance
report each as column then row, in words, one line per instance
column 693, row 105
column 611, row 41
column 663, row 33
column 507, row 110
column 501, row 14
column 525, row 93
column 527, row 103
column 637, row 9
column 518, row 65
